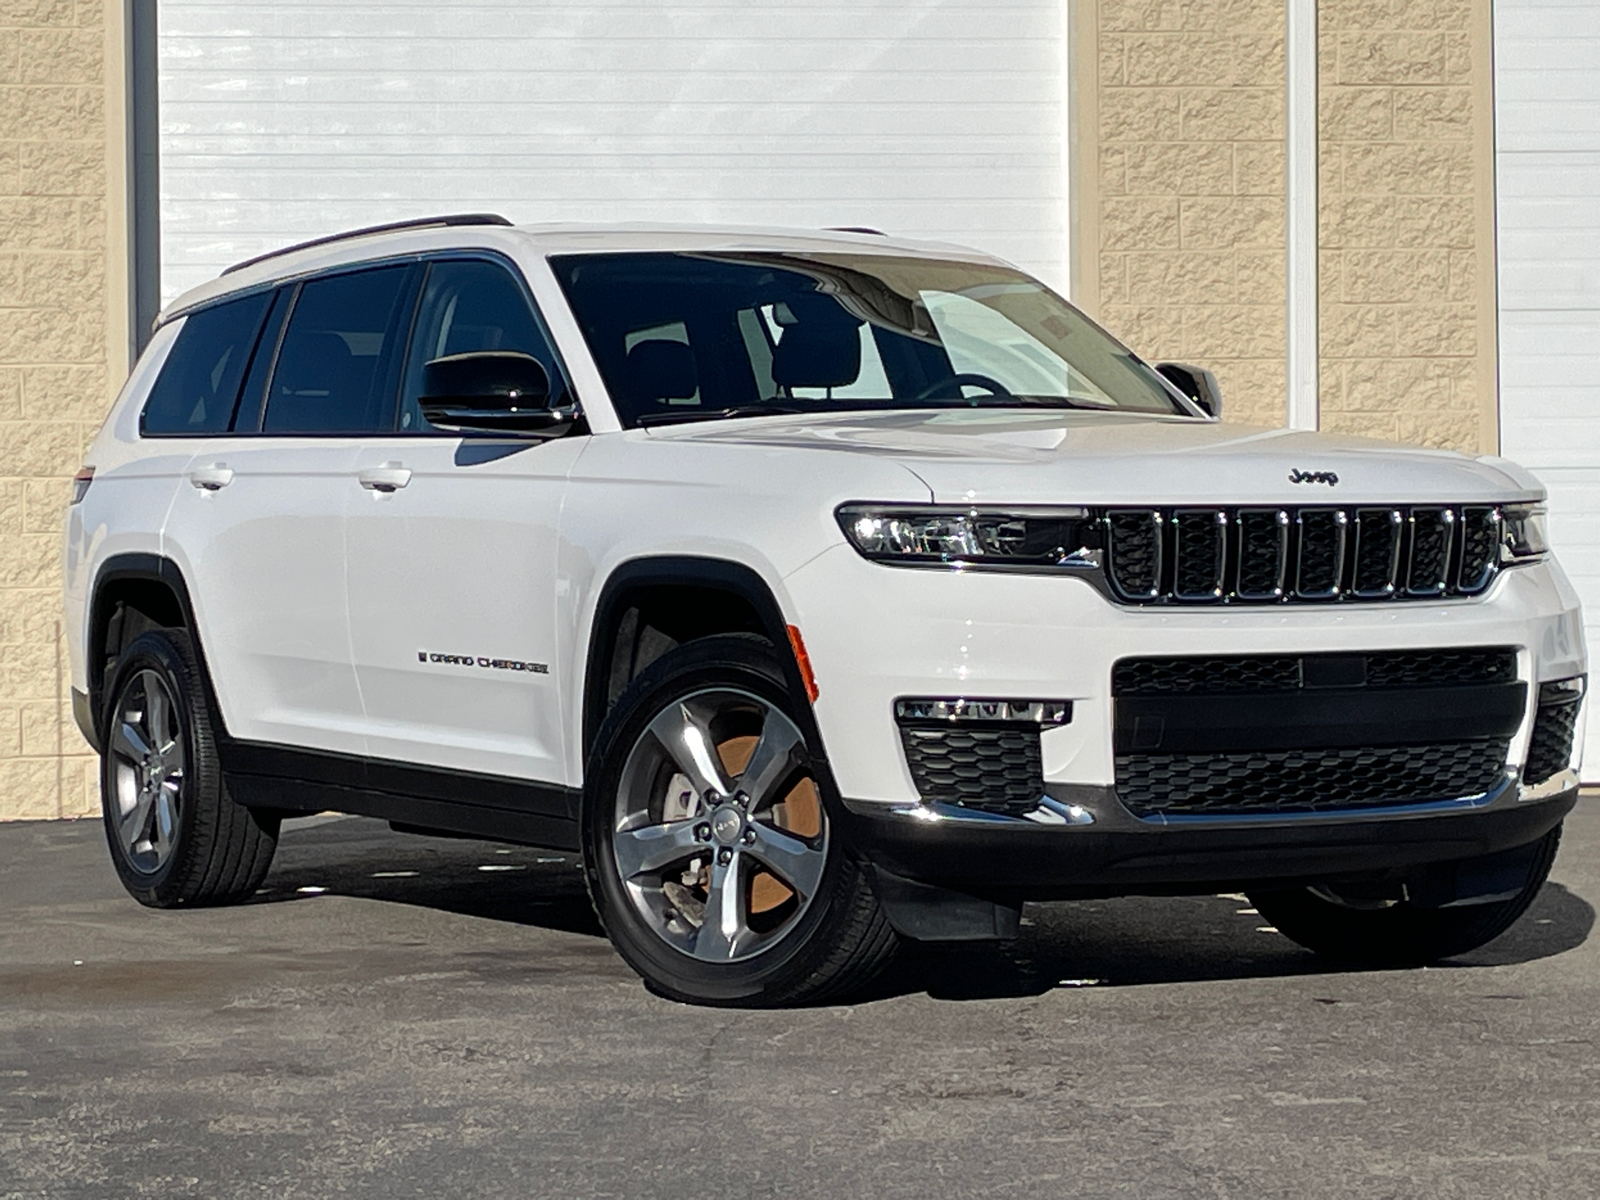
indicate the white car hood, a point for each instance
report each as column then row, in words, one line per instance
column 1011, row 457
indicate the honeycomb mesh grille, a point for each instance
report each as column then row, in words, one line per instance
column 1283, row 673
column 1287, row 781
column 998, row 770
column 1550, row 748
column 1319, row 553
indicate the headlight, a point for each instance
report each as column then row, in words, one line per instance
column 995, row 539
column 1522, row 537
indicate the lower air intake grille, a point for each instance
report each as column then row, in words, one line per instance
column 998, row 770
column 1550, row 748
column 1286, row 673
column 1288, row 781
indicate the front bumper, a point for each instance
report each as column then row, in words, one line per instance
column 1009, row 860
column 878, row 633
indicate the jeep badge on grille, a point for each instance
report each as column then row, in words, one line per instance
column 1328, row 477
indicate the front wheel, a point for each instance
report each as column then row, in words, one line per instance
column 1398, row 931
column 710, row 853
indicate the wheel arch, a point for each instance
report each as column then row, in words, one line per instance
column 131, row 593
column 680, row 598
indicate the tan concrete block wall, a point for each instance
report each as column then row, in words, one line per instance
column 54, row 375
column 1406, row 221
column 1187, row 107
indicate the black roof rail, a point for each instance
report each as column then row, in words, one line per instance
column 856, row 229
column 414, row 223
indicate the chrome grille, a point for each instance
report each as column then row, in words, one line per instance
column 1322, row 553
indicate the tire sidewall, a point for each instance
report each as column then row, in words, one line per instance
column 747, row 663
column 158, row 651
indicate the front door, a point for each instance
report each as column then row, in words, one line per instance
column 452, row 557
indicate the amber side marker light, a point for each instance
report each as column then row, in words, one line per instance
column 803, row 661
column 80, row 484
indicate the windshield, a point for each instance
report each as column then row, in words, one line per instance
column 683, row 337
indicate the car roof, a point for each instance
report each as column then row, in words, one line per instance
column 551, row 239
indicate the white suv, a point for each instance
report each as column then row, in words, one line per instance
column 822, row 590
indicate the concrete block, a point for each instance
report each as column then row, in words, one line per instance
column 1456, row 430
column 62, row 168
column 1139, row 115
column 1391, row 57
column 10, row 731
column 1355, row 113
column 25, row 13
column 63, row 55
column 1356, row 221
column 1410, row 169
column 1259, row 277
column 1233, row 114
column 1179, row 169
column 40, row 449
column 1463, row 276
column 1113, row 279
column 1357, row 330
column 80, row 394
column 1438, row 329
column 1258, row 168
column 1395, row 276
column 1372, row 425
column 1204, row 60
column 1253, row 390
column 1183, row 277
column 1138, row 223
column 1234, row 331
column 1424, row 114
column 30, row 789
column 1443, row 221
column 1235, row 221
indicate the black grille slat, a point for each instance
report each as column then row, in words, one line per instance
column 1320, row 568
column 1200, row 537
column 1313, row 554
column 1286, row 781
column 1480, row 548
column 1432, row 531
column 1263, row 540
column 1550, row 747
column 1385, row 669
column 1135, row 552
column 1377, row 564
column 998, row 770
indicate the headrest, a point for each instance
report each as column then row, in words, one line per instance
column 818, row 354
column 662, row 370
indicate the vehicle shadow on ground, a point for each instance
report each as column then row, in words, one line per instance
column 1099, row 943
column 1144, row 940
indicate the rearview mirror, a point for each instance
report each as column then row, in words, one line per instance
column 491, row 391
column 1197, row 383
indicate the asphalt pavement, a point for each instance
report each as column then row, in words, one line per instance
column 402, row 1016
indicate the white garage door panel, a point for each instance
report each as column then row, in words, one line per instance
column 929, row 118
column 1547, row 125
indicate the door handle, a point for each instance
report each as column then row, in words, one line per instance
column 387, row 478
column 211, row 479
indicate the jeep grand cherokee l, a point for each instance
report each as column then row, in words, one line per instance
column 821, row 590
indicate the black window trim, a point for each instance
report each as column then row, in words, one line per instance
column 495, row 257
column 250, row 357
column 292, row 286
column 411, row 285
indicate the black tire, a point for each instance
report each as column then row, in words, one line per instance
column 838, row 937
column 1402, row 934
column 212, row 851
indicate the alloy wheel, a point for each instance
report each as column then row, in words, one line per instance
column 719, row 835
column 148, row 762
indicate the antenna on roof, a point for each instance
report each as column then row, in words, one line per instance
column 390, row 227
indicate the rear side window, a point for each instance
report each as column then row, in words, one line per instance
column 199, row 383
column 335, row 371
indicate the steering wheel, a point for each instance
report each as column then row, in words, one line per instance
column 958, row 381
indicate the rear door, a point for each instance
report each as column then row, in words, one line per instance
column 452, row 556
column 261, row 518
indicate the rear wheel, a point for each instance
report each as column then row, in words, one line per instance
column 712, row 859
column 176, row 837
column 1383, row 931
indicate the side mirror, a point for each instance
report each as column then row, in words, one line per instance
column 491, row 391
column 1197, row 383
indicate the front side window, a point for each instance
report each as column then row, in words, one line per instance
column 198, row 385
column 334, row 370
column 682, row 336
column 466, row 306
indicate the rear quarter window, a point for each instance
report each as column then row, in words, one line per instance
column 198, row 386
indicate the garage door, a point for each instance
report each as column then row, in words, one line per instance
column 281, row 121
column 1547, row 84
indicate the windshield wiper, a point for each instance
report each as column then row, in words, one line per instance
column 714, row 414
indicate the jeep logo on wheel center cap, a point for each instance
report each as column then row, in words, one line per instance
column 727, row 825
